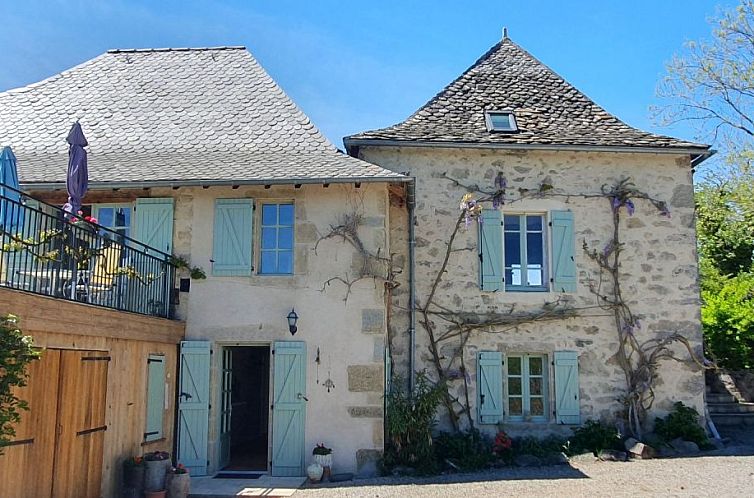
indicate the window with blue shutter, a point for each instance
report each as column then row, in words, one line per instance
column 491, row 251
column 232, row 241
column 490, row 387
column 564, row 276
column 566, row 365
column 155, row 397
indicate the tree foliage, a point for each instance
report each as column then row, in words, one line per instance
column 712, row 84
column 16, row 352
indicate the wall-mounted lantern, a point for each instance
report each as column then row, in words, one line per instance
column 292, row 319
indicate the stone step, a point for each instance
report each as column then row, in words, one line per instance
column 733, row 419
column 730, row 408
column 721, row 398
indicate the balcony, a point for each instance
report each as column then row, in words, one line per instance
column 46, row 251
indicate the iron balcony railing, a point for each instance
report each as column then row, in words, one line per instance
column 47, row 251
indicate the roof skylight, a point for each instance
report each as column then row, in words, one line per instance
column 500, row 121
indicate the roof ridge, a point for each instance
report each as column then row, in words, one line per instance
column 174, row 49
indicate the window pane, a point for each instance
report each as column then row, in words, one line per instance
column 512, row 249
column 534, row 276
column 514, row 386
column 534, row 253
column 501, row 121
column 286, row 214
column 512, row 223
column 285, row 262
column 269, row 238
column 534, row 223
column 535, row 365
column 515, row 406
column 285, row 238
column 105, row 217
column 514, row 365
column 269, row 214
column 535, row 386
column 123, row 217
column 536, row 407
column 269, row 260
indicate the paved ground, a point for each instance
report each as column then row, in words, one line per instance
column 727, row 472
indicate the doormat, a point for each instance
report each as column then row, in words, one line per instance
column 238, row 475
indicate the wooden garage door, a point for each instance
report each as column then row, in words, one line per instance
column 26, row 465
column 82, row 396
column 58, row 446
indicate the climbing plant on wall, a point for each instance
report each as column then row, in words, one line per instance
column 639, row 358
column 16, row 352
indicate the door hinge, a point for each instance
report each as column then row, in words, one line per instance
column 272, row 407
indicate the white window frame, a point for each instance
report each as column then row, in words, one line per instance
column 488, row 115
column 546, row 251
column 525, row 395
column 260, row 224
column 115, row 205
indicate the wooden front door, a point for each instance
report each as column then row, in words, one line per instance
column 58, row 448
column 289, row 409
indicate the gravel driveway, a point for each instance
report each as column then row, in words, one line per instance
column 728, row 472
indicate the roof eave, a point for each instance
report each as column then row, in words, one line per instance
column 214, row 183
column 698, row 154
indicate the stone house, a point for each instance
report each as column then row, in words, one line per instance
column 510, row 126
column 199, row 153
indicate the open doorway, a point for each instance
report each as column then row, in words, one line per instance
column 246, row 391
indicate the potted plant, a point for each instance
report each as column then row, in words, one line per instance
column 315, row 471
column 322, row 455
column 133, row 477
column 157, row 464
column 179, row 482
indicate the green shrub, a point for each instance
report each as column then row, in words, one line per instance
column 409, row 420
column 593, row 436
column 682, row 422
column 16, row 352
column 468, row 450
column 728, row 320
column 530, row 445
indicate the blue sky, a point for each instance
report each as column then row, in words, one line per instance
column 353, row 66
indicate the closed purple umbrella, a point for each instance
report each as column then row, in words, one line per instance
column 78, row 175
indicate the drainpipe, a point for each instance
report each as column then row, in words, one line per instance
column 411, row 202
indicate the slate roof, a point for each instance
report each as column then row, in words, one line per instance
column 548, row 110
column 172, row 116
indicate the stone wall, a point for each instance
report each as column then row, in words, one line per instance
column 659, row 264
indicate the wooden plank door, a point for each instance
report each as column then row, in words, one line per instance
column 193, row 406
column 289, row 409
column 26, row 465
column 81, row 424
column 226, row 407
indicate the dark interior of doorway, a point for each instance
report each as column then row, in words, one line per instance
column 250, row 413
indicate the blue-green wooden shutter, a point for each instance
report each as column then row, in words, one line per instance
column 232, row 237
column 564, row 276
column 153, row 223
column 193, row 406
column 289, row 409
column 490, row 386
column 491, row 251
column 155, row 397
column 566, row 387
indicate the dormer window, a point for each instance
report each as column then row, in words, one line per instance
column 500, row 121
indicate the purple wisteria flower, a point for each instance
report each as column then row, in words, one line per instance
column 630, row 207
column 616, row 203
column 500, row 182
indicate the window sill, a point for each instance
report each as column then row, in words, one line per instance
column 147, row 443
